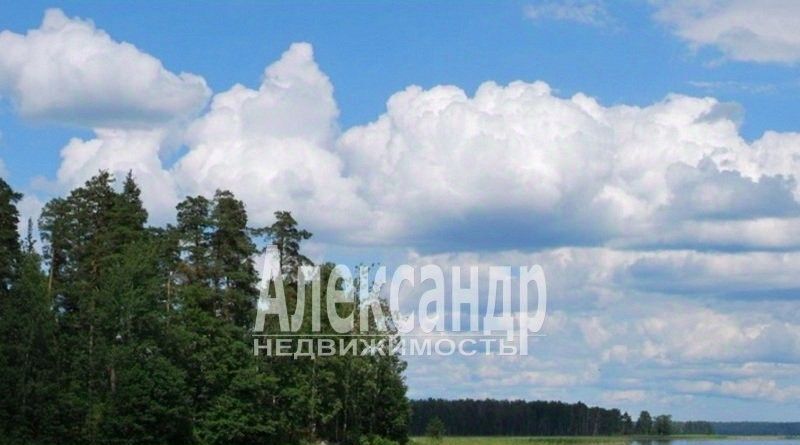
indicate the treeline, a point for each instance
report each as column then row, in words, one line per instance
column 127, row 334
column 694, row 427
column 539, row 418
column 757, row 428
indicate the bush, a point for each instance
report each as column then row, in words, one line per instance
column 375, row 440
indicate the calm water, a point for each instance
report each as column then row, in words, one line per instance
column 767, row 441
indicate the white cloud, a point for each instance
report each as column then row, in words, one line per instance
column 603, row 277
column 541, row 169
column 121, row 151
column 762, row 31
column 706, row 335
column 435, row 169
column 30, row 207
column 624, row 396
column 510, row 167
column 586, row 12
column 272, row 147
column 750, row 388
column 69, row 71
column 760, row 389
column 3, row 171
column 610, row 307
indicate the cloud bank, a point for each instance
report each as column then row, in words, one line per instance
column 661, row 229
column 437, row 167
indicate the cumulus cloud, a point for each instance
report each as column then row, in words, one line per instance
column 439, row 161
column 752, row 275
column 438, row 167
column 636, row 213
column 543, row 170
column 69, row 71
column 272, row 147
column 705, row 335
column 586, row 12
column 610, row 304
column 764, row 31
column 119, row 152
column 705, row 192
column 751, row 388
column 643, row 351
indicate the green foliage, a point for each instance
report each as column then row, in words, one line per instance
column 136, row 335
column 663, row 425
column 627, row 424
column 694, row 427
column 644, row 425
column 375, row 440
column 9, row 240
column 435, row 429
column 285, row 234
column 468, row 417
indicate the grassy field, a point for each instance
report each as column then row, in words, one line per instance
column 546, row 440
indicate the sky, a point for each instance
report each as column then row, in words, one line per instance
column 646, row 154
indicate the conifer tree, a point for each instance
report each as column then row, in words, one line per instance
column 232, row 263
column 9, row 238
column 140, row 335
column 285, row 234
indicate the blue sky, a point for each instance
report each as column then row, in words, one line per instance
column 648, row 159
column 373, row 50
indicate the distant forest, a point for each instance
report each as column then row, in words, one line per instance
column 757, row 428
column 520, row 418
column 120, row 333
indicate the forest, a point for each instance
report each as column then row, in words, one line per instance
column 757, row 428
column 469, row 417
column 114, row 332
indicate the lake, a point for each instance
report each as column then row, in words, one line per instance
column 735, row 441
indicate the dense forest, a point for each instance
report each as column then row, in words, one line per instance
column 757, row 428
column 127, row 334
column 520, row 418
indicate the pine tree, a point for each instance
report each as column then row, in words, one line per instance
column 285, row 234
column 129, row 216
column 32, row 309
column 105, row 284
column 233, row 396
column 139, row 335
column 27, row 328
column 232, row 262
column 145, row 391
column 9, row 238
column 627, row 424
column 194, row 225
column 10, row 362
